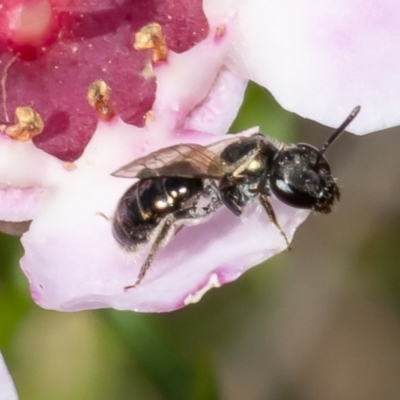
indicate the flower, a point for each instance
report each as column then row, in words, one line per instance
column 7, row 389
column 123, row 81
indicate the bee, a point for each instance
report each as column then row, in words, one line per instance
column 184, row 184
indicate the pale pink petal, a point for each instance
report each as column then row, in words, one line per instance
column 196, row 91
column 18, row 204
column 321, row 59
column 25, row 174
column 80, row 266
column 7, row 388
column 216, row 113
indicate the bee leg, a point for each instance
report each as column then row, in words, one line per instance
column 232, row 195
column 100, row 214
column 163, row 233
column 264, row 200
column 162, row 236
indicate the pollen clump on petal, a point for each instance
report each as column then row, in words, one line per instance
column 149, row 116
column 220, row 30
column 151, row 37
column 98, row 96
column 69, row 166
column 28, row 124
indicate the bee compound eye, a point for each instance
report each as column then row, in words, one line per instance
column 293, row 195
column 311, row 181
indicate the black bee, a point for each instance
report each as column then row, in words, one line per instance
column 184, row 184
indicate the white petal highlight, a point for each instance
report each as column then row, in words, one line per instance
column 7, row 388
column 321, row 59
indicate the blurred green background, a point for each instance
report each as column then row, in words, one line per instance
column 321, row 322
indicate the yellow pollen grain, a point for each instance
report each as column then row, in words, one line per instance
column 151, row 37
column 69, row 166
column 90, row 161
column 98, row 96
column 220, row 31
column 28, row 124
column 149, row 116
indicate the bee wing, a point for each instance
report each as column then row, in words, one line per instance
column 184, row 160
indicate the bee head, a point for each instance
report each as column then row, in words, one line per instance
column 301, row 177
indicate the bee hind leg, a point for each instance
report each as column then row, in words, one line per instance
column 264, row 200
column 160, row 239
column 100, row 214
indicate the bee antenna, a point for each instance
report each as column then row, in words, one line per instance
column 340, row 130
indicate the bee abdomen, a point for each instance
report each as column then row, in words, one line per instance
column 146, row 203
column 130, row 228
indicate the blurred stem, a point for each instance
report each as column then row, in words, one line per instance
column 14, row 296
